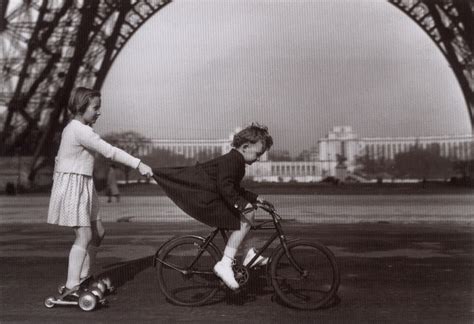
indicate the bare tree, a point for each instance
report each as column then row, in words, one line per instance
column 128, row 141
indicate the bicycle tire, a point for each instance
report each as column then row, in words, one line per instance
column 192, row 288
column 315, row 287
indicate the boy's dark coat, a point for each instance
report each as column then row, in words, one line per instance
column 209, row 192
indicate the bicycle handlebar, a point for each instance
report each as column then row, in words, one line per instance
column 265, row 205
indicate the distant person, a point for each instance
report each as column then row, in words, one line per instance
column 211, row 193
column 112, row 187
column 74, row 201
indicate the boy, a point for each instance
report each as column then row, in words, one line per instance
column 211, row 193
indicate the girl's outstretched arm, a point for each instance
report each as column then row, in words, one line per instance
column 92, row 141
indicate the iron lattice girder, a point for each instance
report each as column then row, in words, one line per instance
column 48, row 47
column 450, row 24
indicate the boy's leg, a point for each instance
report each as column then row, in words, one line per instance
column 223, row 268
column 98, row 233
column 77, row 255
column 248, row 245
column 235, row 239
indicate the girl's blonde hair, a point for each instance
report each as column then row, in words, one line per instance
column 80, row 98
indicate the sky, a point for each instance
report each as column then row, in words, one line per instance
column 199, row 69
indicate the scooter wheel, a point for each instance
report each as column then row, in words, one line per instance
column 49, row 302
column 87, row 301
column 97, row 292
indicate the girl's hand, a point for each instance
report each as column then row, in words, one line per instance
column 145, row 170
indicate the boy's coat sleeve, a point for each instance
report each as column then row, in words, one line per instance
column 229, row 174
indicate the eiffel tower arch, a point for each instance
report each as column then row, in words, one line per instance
column 450, row 25
column 50, row 47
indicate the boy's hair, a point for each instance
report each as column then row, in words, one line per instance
column 253, row 134
column 80, row 98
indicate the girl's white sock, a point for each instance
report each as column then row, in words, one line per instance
column 89, row 261
column 76, row 259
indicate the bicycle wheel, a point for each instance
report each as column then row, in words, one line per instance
column 311, row 286
column 184, row 278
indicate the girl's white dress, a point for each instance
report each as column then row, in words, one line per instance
column 74, row 200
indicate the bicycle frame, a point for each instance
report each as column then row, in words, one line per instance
column 207, row 241
column 276, row 219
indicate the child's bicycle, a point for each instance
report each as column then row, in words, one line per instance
column 304, row 274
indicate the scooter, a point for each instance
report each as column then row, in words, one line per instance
column 90, row 294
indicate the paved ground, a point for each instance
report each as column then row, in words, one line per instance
column 324, row 209
column 391, row 273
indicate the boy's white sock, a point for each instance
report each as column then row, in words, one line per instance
column 76, row 259
column 89, row 261
column 235, row 239
column 229, row 254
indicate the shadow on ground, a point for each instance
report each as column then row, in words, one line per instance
column 122, row 272
column 258, row 285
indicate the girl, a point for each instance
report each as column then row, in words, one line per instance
column 74, row 201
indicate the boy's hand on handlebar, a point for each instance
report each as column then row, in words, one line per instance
column 266, row 203
column 249, row 214
column 145, row 170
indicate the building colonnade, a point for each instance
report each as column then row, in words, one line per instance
column 340, row 144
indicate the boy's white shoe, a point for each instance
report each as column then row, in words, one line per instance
column 259, row 262
column 225, row 272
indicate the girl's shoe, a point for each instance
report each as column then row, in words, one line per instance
column 70, row 294
column 82, row 283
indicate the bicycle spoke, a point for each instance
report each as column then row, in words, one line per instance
column 182, row 283
column 172, row 266
column 309, row 280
